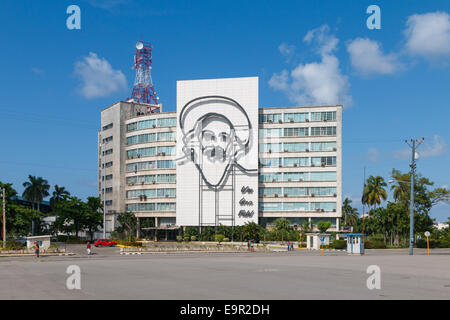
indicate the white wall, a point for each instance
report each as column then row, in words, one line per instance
column 191, row 199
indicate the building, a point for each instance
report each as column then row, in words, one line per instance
column 220, row 159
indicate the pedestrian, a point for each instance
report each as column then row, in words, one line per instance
column 88, row 248
column 289, row 246
column 292, row 246
column 36, row 249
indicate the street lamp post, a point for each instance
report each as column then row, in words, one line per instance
column 4, row 216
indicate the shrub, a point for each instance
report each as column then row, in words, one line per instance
column 339, row 244
column 220, row 237
column 129, row 243
column 187, row 238
column 226, row 239
column 193, row 238
column 374, row 244
column 12, row 245
column 179, row 238
column 422, row 243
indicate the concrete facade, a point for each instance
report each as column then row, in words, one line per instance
column 299, row 158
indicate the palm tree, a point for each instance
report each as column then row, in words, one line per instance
column 374, row 191
column 401, row 186
column 350, row 213
column 59, row 194
column 36, row 189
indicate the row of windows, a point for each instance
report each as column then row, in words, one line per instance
column 297, row 117
column 297, row 206
column 152, row 151
column 297, row 176
column 152, row 178
column 297, row 192
column 152, row 123
column 150, row 165
column 140, row 207
column 151, row 137
column 297, row 132
column 297, row 146
column 151, row 193
column 297, row 162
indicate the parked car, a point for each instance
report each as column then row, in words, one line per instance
column 104, row 243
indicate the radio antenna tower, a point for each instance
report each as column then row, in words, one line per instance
column 143, row 90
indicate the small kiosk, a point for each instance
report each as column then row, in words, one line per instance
column 315, row 240
column 355, row 244
column 43, row 241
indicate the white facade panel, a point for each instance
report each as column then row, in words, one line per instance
column 217, row 152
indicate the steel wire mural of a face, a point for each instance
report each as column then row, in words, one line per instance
column 213, row 141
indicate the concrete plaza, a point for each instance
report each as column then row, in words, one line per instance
column 278, row 275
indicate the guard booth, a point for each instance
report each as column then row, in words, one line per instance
column 355, row 244
column 315, row 240
column 43, row 241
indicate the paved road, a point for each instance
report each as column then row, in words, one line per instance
column 293, row 275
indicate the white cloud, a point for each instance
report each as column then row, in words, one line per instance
column 286, row 49
column 367, row 57
column 372, row 155
column 428, row 35
column 98, row 78
column 435, row 148
column 316, row 83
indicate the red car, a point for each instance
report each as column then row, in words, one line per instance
column 104, row 243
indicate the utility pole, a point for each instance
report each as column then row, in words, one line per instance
column 4, row 217
column 414, row 144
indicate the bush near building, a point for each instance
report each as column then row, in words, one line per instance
column 339, row 244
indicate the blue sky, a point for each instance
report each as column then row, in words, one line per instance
column 394, row 82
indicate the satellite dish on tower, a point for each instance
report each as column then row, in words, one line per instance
column 139, row 45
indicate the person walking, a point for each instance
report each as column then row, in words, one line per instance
column 36, row 249
column 88, row 248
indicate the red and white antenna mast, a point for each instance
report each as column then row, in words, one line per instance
column 143, row 90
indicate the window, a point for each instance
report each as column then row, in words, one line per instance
column 270, row 133
column 326, row 206
column 270, row 177
column 166, row 136
column 141, row 166
column 322, row 191
column 295, row 146
column 323, row 116
column 109, row 126
column 296, row 117
column 166, row 164
column 166, row 178
column 109, row 177
column 295, row 206
column 270, row 206
column 109, row 151
column 323, row 161
column 323, row 176
column 323, row 131
column 108, row 139
column 151, row 193
column 295, row 132
column 108, row 202
column 270, row 147
column 167, row 150
column 108, row 164
column 295, row 176
column 143, row 152
column 108, row 190
column 270, row 162
column 167, row 122
column 295, row 162
column 295, row 192
column 270, row 192
column 323, row 146
column 269, row 118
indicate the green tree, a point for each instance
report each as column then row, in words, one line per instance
column 350, row 214
column 93, row 218
column 71, row 215
column 252, row 231
column 36, row 189
column 323, row 226
column 60, row 193
column 127, row 224
column 374, row 191
column 282, row 229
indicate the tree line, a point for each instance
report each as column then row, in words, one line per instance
column 72, row 215
column 389, row 219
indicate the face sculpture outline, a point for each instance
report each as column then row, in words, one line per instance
column 212, row 143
